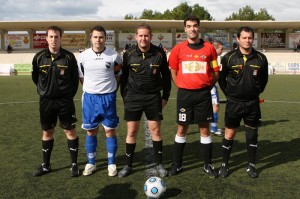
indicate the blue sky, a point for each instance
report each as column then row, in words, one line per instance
column 15, row 10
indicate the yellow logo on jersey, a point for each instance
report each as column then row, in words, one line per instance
column 134, row 69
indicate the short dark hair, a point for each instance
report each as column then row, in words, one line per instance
column 246, row 29
column 191, row 18
column 55, row 28
column 143, row 26
column 99, row 29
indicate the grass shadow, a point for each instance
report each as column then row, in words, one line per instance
column 114, row 191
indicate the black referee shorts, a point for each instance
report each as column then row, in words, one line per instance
column 237, row 110
column 62, row 108
column 135, row 104
column 194, row 106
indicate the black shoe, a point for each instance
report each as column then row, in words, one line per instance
column 161, row 170
column 209, row 169
column 223, row 172
column 251, row 170
column 175, row 170
column 125, row 172
column 74, row 170
column 42, row 170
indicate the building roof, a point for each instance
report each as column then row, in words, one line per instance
column 155, row 24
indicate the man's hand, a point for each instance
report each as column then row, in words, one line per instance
column 164, row 103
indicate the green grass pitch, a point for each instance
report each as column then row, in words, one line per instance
column 278, row 159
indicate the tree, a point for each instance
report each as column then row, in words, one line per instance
column 181, row 11
column 247, row 13
column 147, row 14
column 167, row 15
column 201, row 12
column 178, row 13
column 128, row 16
column 263, row 15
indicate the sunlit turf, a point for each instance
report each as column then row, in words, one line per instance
column 277, row 161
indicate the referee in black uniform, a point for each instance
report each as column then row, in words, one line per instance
column 145, row 73
column 55, row 73
column 243, row 77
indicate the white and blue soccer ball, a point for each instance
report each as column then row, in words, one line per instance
column 155, row 187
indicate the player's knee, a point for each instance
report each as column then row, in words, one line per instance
column 181, row 133
column 251, row 133
column 92, row 132
column 156, row 135
column 48, row 134
column 229, row 134
column 216, row 107
column 131, row 134
column 110, row 132
column 71, row 134
column 67, row 126
column 205, row 132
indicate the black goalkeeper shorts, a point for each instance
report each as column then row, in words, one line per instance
column 194, row 106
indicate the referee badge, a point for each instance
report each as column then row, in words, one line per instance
column 62, row 71
column 154, row 71
column 154, row 68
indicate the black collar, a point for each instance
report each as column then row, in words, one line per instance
column 196, row 46
column 48, row 53
column 253, row 53
column 146, row 54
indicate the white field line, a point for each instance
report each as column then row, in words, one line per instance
column 27, row 102
column 149, row 162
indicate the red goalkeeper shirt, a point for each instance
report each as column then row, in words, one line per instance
column 194, row 64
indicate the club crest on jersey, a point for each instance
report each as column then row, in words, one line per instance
column 62, row 71
column 154, row 67
column 202, row 56
column 107, row 64
column 182, row 110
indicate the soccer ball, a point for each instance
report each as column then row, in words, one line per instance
column 155, row 187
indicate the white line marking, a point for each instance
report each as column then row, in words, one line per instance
column 171, row 98
column 26, row 102
column 150, row 163
column 284, row 102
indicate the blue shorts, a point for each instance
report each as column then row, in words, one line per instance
column 99, row 108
